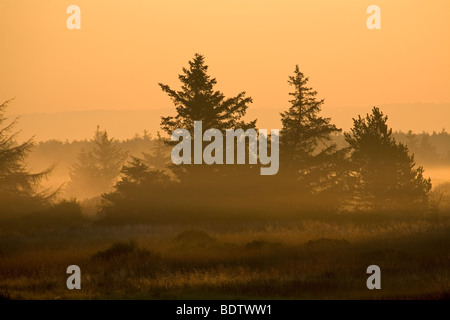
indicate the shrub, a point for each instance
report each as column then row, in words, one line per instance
column 195, row 238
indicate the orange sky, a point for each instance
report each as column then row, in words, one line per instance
column 126, row 47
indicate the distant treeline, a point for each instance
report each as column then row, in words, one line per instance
column 428, row 149
column 66, row 157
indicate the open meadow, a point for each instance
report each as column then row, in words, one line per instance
column 286, row 259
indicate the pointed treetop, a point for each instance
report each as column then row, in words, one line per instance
column 303, row 129
column 199, row 101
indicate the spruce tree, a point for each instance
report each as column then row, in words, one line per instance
column 385, row 176
column 198, row 100
column 97, row 169
column 20, row 190
column 307, row 155
column 141, row 195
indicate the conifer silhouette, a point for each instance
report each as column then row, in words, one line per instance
column 97, row 169
column 20, row 190
column 385, row 177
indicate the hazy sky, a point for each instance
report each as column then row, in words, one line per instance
column 124, row 48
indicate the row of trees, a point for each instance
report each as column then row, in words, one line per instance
column 373, row 172
column 430, row 149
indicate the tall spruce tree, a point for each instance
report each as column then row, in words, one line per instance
column 307, row 154
column 199, row 101
column 385, row 177
column 148, row 191
column 20, row 190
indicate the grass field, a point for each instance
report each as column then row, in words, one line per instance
column 288, row 259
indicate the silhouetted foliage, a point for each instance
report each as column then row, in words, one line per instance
column 374, row 172
column 124, row 259
column 123, row 251
column 63, row 214
column 384, row 176
column 303, row 130
column 307, row 154
column 199, row 101
column 158, row 158
column 426, row 151
column 141, row 193
column 19, row 188
column 97, row 169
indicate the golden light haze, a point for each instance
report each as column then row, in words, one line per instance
column 124, row 48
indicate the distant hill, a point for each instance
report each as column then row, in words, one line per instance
column 123, row 124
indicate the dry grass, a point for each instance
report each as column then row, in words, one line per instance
column 308, row 259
